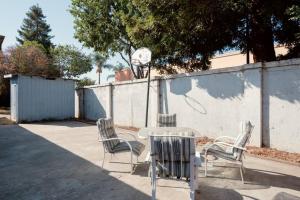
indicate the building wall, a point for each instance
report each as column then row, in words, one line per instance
column 237, row 59
column 35, row 99
column 96, row 102
column 129, row 103
column 124, row 75
column 282, row 105
column 125, row 102
column 214, row 102
column 229, row 59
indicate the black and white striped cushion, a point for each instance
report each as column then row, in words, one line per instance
column 166, row 120
column 106, row 130
column 243, row 139
column 172, row 155
column 137, row 147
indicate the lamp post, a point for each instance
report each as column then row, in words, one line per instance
column 147, row 104
column 142, row 57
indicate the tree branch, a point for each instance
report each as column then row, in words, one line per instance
column 129, row 63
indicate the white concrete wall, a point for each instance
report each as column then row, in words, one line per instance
column 129, row 103
column 215, row 102
column 282, row 110
column 96, row 102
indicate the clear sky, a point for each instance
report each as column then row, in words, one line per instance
column 12, row 13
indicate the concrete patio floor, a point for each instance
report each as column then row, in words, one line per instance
column 62, row 160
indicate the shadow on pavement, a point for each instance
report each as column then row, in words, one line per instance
column 32, row 167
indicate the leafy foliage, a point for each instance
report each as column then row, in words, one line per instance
column 71, row 61
column 98, row 25
column 101, row 62
column 85, row 82
column 294, row 49
column 34, row 44
column 29, row 60
column 4, row 83
column 186, row 34
column 35, row 28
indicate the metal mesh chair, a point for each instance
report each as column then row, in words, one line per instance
column 166, row 120
column 233, row 150
column 173, row 156
column 113, row 144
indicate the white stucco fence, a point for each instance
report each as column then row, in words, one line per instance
column 214, row 102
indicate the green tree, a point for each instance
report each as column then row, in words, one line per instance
column 27, row 43
column 4, row 83
column 98, row 25
column 71, row 61
column 294, row 49
column 35, row 28
column 186, row 34
column 100, row 62
column 30, row 60
column 85, row 82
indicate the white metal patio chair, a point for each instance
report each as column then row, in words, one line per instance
column 166, row 120
column 232, row 151
column 173, row 157
column 113, row 144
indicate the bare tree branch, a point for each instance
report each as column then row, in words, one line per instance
column 129, row 63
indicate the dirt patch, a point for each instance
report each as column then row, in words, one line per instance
column 4, row 111
column 268, row 153
column 274, row 154
column 5, row 121
column 130, row 128
column 203, row 140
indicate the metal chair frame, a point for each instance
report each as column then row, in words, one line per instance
column 238, row 161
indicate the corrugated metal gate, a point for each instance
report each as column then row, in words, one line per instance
column 35, row 98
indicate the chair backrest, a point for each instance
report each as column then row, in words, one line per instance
column 243, row 139
column 106, row 131
column 173, row 155
column 166, row 120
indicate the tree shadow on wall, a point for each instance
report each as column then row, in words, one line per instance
column 285, row 86
column 222, row 86
column 93, row 108
column 181, row 87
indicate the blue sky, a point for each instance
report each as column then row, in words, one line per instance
column 12, row 13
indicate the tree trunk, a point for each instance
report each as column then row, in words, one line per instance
column 261, row 35
column 99, row 78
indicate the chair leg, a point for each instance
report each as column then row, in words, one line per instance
column 243, row 167
column 241, row 171
column 103, row 158
column 193, row 174
column 131, row 163
column 153, row 181
column 205, row 173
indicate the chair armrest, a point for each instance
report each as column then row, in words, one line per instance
column 230, row 145
column 197, row 159
column 223, row 137
column 118, row 138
